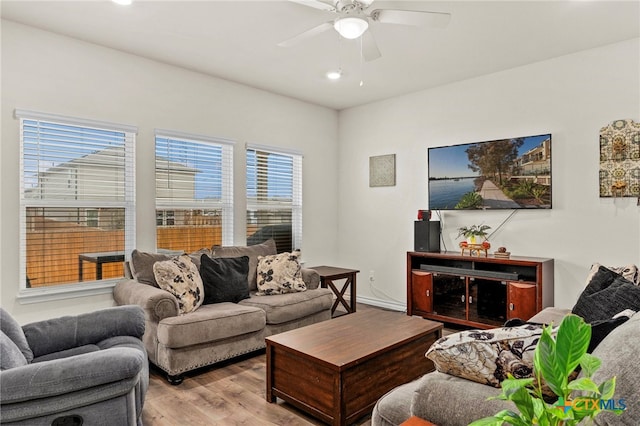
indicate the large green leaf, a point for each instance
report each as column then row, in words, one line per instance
column 510, row 385
column 572, row 342
column 545, row 361
column 523, row 400
column 584, row 384
column 590, row 364
column 488, row 421
column 608, row 388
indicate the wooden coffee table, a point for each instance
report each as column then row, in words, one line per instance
column 336, row 370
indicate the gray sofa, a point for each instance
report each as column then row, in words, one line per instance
column 220, row 331
column 90, row 368
column 452, row 401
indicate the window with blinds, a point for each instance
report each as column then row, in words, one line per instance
column 274, row 197
column 194, row 191
column 77, row 199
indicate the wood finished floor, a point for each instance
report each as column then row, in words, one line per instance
column 230, row 393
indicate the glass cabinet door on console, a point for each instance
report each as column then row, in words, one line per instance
column 487, row 301
column 450, row 296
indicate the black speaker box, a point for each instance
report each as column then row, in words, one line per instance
column 426, row 235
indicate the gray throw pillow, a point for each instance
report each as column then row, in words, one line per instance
column 142, row 266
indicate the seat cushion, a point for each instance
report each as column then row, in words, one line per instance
column 282, row 308
column 446, row 400
column 210, row 323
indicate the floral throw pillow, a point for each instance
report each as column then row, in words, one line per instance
column 487, row 356
column 179, row 276
column 279, row 274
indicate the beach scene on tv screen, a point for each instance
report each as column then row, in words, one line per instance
column 502, row 174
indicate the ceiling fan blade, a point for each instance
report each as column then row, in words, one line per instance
column 307, row 34
column 370, row 49
column 316, row 4
column 412, row 17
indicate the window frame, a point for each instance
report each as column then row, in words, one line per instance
column 85, row 288
column 296, row 199
column 226, row 204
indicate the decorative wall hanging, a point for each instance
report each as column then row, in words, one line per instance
column 382, row 170
column 620, row 159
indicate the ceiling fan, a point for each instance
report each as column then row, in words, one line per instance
column 354, row 16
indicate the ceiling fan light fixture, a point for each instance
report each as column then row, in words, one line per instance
column 350, row 27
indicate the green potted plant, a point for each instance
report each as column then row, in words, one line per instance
column 555, row 361
column 474, row 233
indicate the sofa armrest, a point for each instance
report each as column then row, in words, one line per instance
column 550, row 315
column 157, row 304
column 62, row 376
column 59, row 334
column 311, row 278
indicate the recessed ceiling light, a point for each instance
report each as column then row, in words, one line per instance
column 334, row 75
column 122, row 2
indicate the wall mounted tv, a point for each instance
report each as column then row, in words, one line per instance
column 501, row 174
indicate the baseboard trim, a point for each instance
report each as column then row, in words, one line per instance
column 394, row 306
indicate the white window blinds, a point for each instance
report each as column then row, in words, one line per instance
column 274, row 197
column 77, row 199
column 194, row 191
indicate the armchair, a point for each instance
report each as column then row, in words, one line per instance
column 90, row 368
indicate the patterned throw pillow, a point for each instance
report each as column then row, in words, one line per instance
column 279, row 274
column 486, row 356
column 179, row 276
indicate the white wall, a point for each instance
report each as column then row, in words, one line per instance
column 571, row 97
column 45, row 72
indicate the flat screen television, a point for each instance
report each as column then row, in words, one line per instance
column 500, row 174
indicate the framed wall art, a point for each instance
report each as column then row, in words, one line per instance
column 620, row 159
column 382, row 170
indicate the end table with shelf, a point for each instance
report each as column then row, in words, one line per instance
column 328, row 274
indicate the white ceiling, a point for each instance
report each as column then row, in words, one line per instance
column 237, row 40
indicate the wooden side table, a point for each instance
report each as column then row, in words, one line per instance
column 330, row 273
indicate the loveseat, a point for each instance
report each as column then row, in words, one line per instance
column 178, row 343
column 449, row 400
column 85, row 369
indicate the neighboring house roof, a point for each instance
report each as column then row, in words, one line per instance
column 98, row 158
